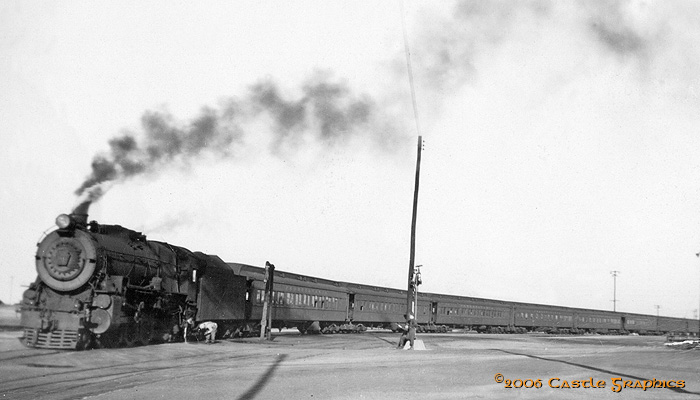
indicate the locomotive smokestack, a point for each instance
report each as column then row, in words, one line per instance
column 80, row 213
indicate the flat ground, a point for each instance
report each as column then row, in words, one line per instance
column 9, row 317
column 353, row 366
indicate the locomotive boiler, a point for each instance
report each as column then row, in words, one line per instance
column 107, row 285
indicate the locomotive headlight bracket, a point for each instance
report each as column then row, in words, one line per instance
column 64, row 221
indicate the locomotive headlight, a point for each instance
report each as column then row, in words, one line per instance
column 64, row 221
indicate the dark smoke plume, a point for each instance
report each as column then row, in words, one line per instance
column 612, row 27
column 326, row 112
column 164, row 141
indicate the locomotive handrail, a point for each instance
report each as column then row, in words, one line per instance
column 44, row 234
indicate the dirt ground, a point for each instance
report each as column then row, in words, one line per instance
column 357, row 366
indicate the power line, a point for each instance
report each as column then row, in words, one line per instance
column 410, row 69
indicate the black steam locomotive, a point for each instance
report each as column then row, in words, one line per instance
column 105, row 285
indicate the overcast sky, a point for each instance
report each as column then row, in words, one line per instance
column 561, row 140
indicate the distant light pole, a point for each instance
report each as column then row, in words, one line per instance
column 657, row 317
column 614, row 274
column 698, row 255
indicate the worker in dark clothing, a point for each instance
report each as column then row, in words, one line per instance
column 408, row 332
column 188, row 328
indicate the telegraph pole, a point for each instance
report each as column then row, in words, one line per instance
column 614, row 274
column 412, row 295
column 413, row 279
column 266, row 320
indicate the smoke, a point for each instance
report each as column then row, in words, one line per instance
column 448, row 50
column 164, row 141
column 618, row 38
column 455, row 48
column 325, row 111
column 451, row 47
column 630, row 30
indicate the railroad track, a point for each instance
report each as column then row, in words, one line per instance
column 61, row 377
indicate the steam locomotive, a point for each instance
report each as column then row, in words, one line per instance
column 107, row 282
column 106, row 285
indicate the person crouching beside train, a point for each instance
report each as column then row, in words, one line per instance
column 408, row 333
column 208, row 328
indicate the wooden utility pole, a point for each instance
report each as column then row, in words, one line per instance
column 412, row 295
column 411, row 298
column 266, row 320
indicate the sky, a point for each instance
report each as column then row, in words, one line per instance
column 560, row 140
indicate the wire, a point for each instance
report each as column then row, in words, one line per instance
column 410, row 69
